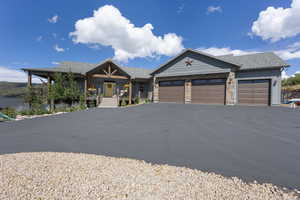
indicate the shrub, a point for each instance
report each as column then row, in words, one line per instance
column 147, row 100
column 82, row 102
column 294, row 80
column 40, row 111
column 11, row 112
column 123, row 102
column 137, row 100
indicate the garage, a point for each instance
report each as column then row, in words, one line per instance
column 171, row 91
column 256, row 92
column 208, row 91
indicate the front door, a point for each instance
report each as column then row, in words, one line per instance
column 109, row 89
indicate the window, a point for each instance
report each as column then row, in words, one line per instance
column 141, row 89
column 171, row 83
column 207, row 81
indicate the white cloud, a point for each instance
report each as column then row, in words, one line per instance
column 14, row 75
column 39, row 38
column 55, row 63
column 291, row 52
column 54, row 35
column 54, row 19
column 288, row 54
column 108, row 27
column 58, row 49
column 94, row 46
column 284, row 75
column 294, row 45
column 224, row 51
column 20, row 63
column 180, row 8
column 278, row 23
column 212, row 9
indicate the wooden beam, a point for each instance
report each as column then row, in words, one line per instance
column 114, row 72
column 85, row 87
column 29, row 83
column 130, row 92
column 106, row 76
column 51, row 101
column 109, row 70
column 105, row 72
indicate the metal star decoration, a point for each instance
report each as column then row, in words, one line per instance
column 189, row 62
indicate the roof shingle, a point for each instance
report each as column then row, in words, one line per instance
column 256, row 61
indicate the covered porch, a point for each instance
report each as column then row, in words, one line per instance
column 107, row 81
column 102, row 81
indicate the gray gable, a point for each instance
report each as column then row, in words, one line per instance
column 256, row 61
column 201, row 64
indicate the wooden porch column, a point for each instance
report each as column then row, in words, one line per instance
column 85, row 88
column 130, row 92
column 29, row 83
column 49, row 83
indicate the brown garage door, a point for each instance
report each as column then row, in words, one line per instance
column 208, row 91
column 171, row 91
column 254, row 92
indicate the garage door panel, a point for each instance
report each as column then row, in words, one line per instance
column 246, row 101
column 254, row 92
column 171, row 91
column 261, row 95
column 210, row 91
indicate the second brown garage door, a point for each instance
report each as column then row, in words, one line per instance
column 171, row 91
column 208, row 91
column 255, row 92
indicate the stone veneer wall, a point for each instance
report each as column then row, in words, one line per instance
column 155, row 91
column 230, row 89
column 188, row 91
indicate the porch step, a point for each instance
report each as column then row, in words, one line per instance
column 109, row 103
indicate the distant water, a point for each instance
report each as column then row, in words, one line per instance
column 14, row 102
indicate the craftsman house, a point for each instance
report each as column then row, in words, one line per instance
column 190, row 77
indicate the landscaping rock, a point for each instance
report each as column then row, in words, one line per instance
column 83, row 176
column 22, row 117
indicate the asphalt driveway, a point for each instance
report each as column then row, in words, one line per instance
column 253, row 143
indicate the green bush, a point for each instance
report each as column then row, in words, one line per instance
column 137, row 100
column 40, row 111
column 82, row 102
column 123, row 102
column 294, row 80
column 147, row 101
column 11, row 112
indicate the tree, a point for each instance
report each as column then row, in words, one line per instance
column 72, row 91
column 56, row 90
column 294, row 80
column 36, row 96
column 64, row 89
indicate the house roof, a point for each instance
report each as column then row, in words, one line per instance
column 256, row 61
column 83, row 68
column 197, row 52
column 244, row 62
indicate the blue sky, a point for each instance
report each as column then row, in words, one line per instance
column 142, row 33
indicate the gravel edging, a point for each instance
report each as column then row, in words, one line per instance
column 85, row 176
column 23, row 117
